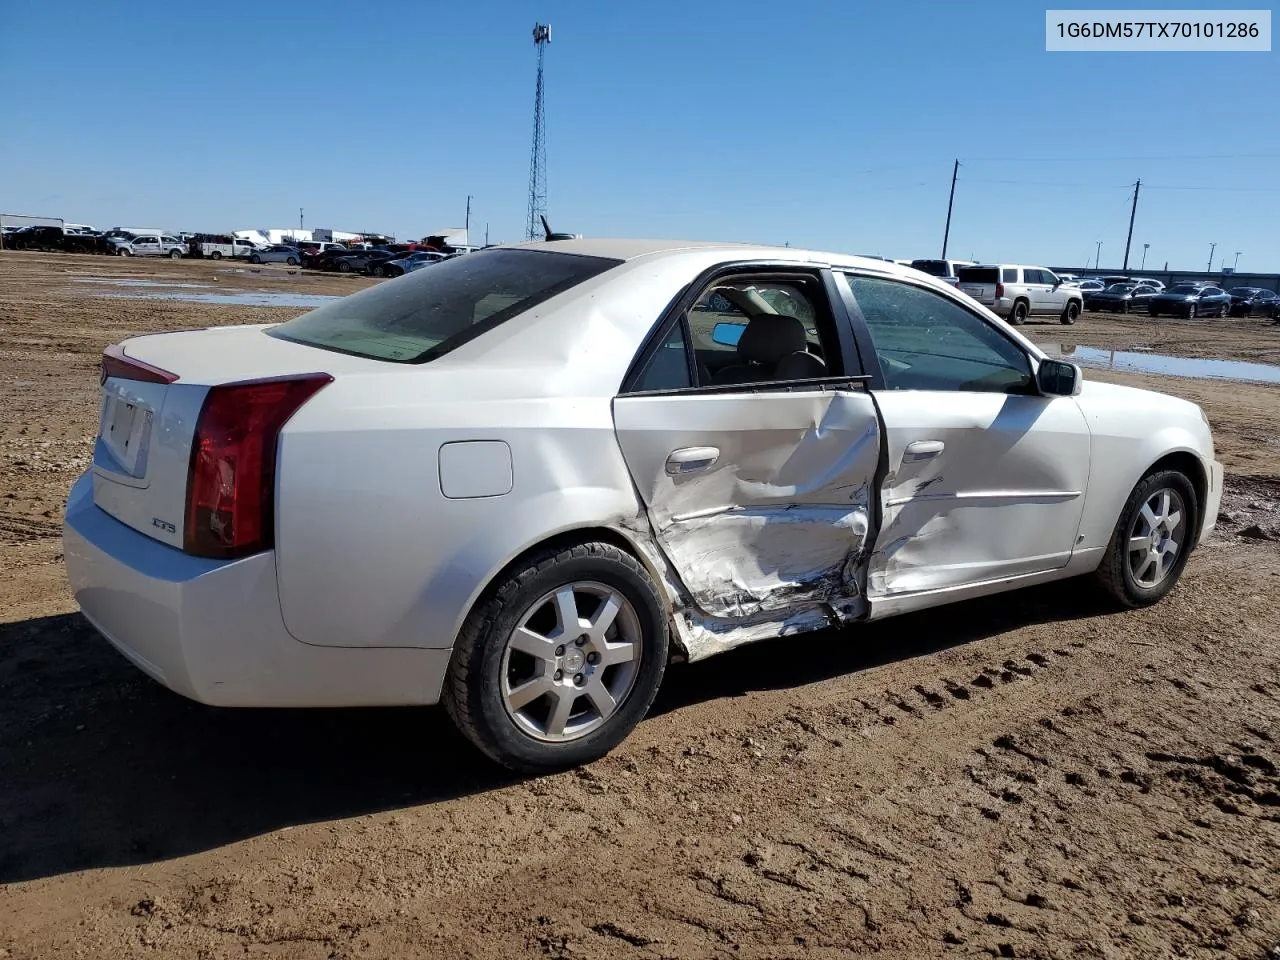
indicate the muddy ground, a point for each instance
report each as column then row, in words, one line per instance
column 1033, row 775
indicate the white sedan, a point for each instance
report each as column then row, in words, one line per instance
column 524, row 480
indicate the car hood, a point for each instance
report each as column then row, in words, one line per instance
column 1114, row 394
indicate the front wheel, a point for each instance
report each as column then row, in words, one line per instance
column 1019, row 315
column 561, row 660
column 1072, row 313
column 1191, row 312
column 254, row 258
column 292, row 261
column 1151, row 542
column 378, row 271
column 344, row 268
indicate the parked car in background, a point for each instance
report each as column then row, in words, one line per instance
column 277, row 253
column 1191, row 300
column 1090, row 284
column 359, row 261
column 247, row 555
column 1120, row 298
column 320, row 259
column 163, row 245
column 1252, row 302
column 1016, row 292
column 944, row 270
column 406, row 264
column 218, row 246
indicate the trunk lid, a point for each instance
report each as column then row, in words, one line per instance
column 142, row 454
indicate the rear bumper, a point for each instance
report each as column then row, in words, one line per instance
column 212, row 630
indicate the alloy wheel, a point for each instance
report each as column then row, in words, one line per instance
column 1156, row 537
column 571, row 661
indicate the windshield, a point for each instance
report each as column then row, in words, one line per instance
column 428, row 313
column 937, row 268
column 1121, row 287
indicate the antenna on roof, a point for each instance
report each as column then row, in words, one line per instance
column 551, row 234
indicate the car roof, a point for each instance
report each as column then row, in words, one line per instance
column 627, row 250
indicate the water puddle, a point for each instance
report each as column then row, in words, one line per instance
column 118, row 282
column 1140, row 362
column 234, row 299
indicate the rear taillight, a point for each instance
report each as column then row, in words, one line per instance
column 999, row 290
column 231, row 482
column 116, row 364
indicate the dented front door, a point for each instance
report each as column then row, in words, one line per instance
column 760, row 500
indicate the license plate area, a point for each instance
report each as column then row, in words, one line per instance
column 124, row 435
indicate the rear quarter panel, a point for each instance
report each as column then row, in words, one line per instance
column 370, row 552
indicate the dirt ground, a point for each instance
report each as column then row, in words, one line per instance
column 1032, row 775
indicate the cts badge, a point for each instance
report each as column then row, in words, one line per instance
column 164, row 525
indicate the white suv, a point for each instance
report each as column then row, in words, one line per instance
column 151, row 246
column 1017, row 292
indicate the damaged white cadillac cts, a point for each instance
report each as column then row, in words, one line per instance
column 523, row 480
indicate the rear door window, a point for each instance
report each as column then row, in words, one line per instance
column 432, row 312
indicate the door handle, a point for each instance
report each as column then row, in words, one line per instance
column 688, row 460
column 922, row 450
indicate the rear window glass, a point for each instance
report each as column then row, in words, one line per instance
column 978, row 275
column 936, row 268
column 430, row 312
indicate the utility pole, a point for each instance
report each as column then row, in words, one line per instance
column 946, row 234
column 1132, row 213
column 1097, row 259
column 300, row 220
column 486, row 233
column 1212, row 246
column 1144, row 256
column 1237, row 263
column 467, row 228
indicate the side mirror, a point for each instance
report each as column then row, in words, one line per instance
column 1057, row 378
column 727, row 334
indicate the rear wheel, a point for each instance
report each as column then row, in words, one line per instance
column 175, row 254
column 561, row 660
column 1191, row 312
column 1072, row 313
column 254, row 258
column 1019, row 315
column 292, row 261
column 378, row 270
column 344, row 268
column 216, row 255
column 1152, row 540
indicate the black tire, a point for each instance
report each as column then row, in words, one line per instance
column 344, row 268
column 472, row 691
column 1114, row 574
column 1072, row 313
column 1019, row 315
column 254, row 258
column 378, row 270
column 175, row 254
column 1153, row 311
column 292, row 261
column 216, row 255
column 1191, row 312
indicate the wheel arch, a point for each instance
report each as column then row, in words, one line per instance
column 635, row 543
column 1189, row 464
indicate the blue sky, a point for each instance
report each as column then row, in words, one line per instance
column 831, row 125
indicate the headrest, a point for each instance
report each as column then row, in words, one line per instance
column 769, row 337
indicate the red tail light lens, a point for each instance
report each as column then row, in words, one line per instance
column 116, row 364
column 999, row 290
column 231, row 482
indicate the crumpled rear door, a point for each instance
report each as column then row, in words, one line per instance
column 760, row 500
